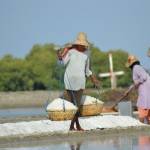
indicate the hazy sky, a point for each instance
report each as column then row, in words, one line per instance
column 109, row 24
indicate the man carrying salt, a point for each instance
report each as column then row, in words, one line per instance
column 76, row 60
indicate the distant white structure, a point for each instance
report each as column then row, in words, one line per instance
column 111, row 74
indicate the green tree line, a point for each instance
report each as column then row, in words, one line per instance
column 40, row 69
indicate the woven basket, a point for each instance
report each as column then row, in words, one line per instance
column 91, row 109
column 61, row 115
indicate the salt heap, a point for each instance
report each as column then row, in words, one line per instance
column 60, row 104
column 88, row 100
column 45, row 127
column 61, row 109
column 90, row 106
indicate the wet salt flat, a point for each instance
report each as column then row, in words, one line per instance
column 140, row 141
column 15, row 112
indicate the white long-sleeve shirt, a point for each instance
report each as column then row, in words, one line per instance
column 77, row 68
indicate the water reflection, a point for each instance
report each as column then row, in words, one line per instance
column 144, row 143
column 113, row 142
column 124, row 142
column 75, row 146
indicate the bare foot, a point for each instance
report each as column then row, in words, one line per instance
column 72, row 129
column 80, row 129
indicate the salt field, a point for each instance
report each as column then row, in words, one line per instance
column 41, row 127
column 22, row 114
column 103, row 132
column 34, row 131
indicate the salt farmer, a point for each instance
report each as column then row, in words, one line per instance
column 142, row 82
column 76, row 60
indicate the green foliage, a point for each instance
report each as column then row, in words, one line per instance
column 40, row 69
column 14, row 74
column 100, row 64
column 42, row 62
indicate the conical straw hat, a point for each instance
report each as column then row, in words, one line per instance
column 82, row 39
column 131, row 59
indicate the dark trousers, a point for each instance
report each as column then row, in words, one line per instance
column 73, row 96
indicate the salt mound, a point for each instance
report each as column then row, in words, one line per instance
column 60, row 104
column 88, row 100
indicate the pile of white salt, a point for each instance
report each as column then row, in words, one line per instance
column 88, row 100
column 60, row 104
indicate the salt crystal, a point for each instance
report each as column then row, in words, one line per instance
column 60, row 104
column 87, row 100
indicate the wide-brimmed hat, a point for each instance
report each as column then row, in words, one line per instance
column 82, row 39
column 68, row 44
column 131, row 59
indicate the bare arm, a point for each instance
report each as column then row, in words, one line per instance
column 94, row 80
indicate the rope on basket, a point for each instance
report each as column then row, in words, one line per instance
column 60, row 63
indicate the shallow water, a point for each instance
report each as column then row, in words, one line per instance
column 111, row 142
column 15, row 112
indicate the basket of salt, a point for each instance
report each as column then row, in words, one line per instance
column 90, row 106
column 60, row 109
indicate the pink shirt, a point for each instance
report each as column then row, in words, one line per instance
column 141, row 77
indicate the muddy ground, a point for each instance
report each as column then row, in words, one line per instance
column 26, row 98
column 39, row 98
